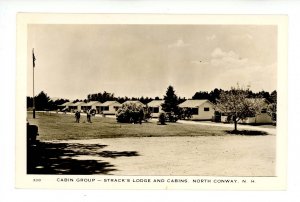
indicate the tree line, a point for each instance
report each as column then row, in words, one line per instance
column 214, row 95
column 43, row 101
column 105, row 96
column 235, row 102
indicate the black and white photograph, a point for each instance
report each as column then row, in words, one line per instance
column 153, row 99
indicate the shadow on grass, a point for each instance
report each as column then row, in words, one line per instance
column 246, row 132
column 62, row 158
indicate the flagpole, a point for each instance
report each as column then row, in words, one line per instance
column 33, row 101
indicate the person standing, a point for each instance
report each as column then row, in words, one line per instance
column 88, row 116
column 77, row 116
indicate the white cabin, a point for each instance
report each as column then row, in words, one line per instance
column 108, row 107
column 261, row 118
column 155, row 107
column 76, row 106
column 90, row 105
column 201, row 109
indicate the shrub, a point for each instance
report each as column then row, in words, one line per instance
column 162, row 118
column 172, row 117
column 132, row 113
column 186, row 113
column 147, row 114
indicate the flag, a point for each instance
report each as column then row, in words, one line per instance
column 33, row 58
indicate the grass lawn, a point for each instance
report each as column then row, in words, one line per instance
column 63, row 127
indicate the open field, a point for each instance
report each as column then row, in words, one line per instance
column 67, row 147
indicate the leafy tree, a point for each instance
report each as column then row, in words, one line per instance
column 121, row 99
column 272, row 111
column 101, row 97
column 145, row 100
column 53, row 105
column 237, row 104
column 170, row 106
column 264, row 94
column 147, row 114
column 272, row 108
column 274, row 97
column 201, row 95
column 61, row 101
column 212, row 96
column 132, row 113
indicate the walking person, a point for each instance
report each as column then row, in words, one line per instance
column 77, row 116
column 88, row 116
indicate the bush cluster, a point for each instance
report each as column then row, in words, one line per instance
column 132, row 113
column 162, row 118
column 185, row 113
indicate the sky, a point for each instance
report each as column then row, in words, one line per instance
column 73, row 61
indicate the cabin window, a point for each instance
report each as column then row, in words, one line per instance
column 206, row 109
column 155, row 109
column 195, row 111
column 104, row 108
column 264, row 110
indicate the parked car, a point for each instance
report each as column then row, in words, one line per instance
column 32, row 133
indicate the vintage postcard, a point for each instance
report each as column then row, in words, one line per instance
column 148, row 101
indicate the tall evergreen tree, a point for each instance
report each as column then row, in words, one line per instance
column 42, row 101
column 170, row 106
column 29, row 101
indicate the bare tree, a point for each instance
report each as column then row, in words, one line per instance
column 237, row 105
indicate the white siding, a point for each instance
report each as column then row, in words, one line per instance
column 111, row 110
column 155, row 115
column 260, row 118
column 204, row 115
column 263, row 118
column 223, row 119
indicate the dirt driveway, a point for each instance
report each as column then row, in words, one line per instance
column 199, row 156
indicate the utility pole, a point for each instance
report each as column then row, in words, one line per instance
column 33, row 65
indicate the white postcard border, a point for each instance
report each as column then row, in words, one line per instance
column 24, row 180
